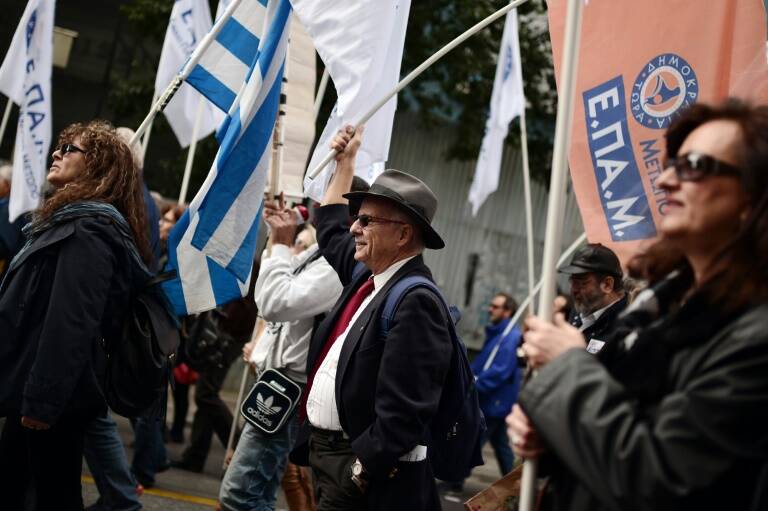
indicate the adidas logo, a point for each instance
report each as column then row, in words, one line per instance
column 265, row 405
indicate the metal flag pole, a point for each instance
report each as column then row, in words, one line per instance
column 556, row 206
column 6, row 116
column 321, row 92
column 416, row 72
column 191, row 151
column 178, row 80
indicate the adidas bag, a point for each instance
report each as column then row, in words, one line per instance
column 271, row 402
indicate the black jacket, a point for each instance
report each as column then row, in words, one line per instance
column 387, row 391
column 67, row 291
column 696, row 439
column 602, row 329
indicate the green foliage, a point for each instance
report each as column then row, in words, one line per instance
column 458, row 87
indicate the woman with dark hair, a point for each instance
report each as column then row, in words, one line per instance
column 679, row 418
column 67, row 290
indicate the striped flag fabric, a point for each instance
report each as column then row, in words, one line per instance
column 212, row 247
column 223, row 68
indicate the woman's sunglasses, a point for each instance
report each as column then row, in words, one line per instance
column 695, row 166
column 70, row 148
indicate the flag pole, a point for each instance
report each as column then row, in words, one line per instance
column 556, row 206
column 528, row 205
column 235, row 417
column 6, row 116
column 191, row 151
column 321, row 92
column 178, row 80
column 145, row 139
column 416, row 72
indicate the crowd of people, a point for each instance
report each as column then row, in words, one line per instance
column 650, row 392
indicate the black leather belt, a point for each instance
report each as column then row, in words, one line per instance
column 330, row 435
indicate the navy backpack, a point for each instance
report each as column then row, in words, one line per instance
column 458, row 427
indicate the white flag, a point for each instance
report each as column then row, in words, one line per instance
column 25, row 77
column 190, row 21
column 507, row 102
column 361, row 44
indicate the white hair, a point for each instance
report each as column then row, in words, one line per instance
column 126, row 134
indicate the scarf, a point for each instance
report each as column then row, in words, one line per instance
column 70, row 212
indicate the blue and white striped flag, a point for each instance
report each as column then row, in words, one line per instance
column 223, row 68
column 212, row 247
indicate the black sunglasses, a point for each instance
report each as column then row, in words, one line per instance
column 695, row 166
column 365, row 220
column 70, row 148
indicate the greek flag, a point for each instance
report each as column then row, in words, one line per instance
column 223, row 68
column 212, row 246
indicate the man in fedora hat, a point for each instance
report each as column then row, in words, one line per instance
column 595, row 277
column 370, row 400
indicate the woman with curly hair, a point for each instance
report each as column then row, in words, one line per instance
column 66, row 291
column 676, row 420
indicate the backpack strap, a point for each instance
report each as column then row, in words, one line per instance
column 398, row 292
column 309, row 260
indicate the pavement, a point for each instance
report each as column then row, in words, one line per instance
column 177, row 489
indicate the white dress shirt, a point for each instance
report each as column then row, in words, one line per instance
column 321, row 402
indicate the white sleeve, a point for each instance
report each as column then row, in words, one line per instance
column 283, row 296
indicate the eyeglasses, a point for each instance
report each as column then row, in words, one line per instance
column 70, row 148
column 696, row 166
column 365, row 220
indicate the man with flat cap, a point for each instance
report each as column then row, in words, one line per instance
column 597, row 289
column 370, row 400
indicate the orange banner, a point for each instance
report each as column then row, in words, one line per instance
column 640, row 64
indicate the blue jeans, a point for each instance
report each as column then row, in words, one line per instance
column 497, row 435
column 149, row 449
column 253, row 476
column 105, row 455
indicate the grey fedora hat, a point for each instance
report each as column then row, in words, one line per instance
column 410, row 194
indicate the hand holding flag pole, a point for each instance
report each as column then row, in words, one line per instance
column 556, row 205
column 416, row 72
column 166, row 96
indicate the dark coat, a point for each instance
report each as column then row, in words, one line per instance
column 696, row 440
column 69, row 290
column 387, row 391
column 602, row 328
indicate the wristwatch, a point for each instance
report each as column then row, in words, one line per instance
column 359, row 475
column 357, row 468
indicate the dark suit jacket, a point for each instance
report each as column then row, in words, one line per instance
column 387, row 390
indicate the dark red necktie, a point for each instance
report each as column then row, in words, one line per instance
column 341, row 325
